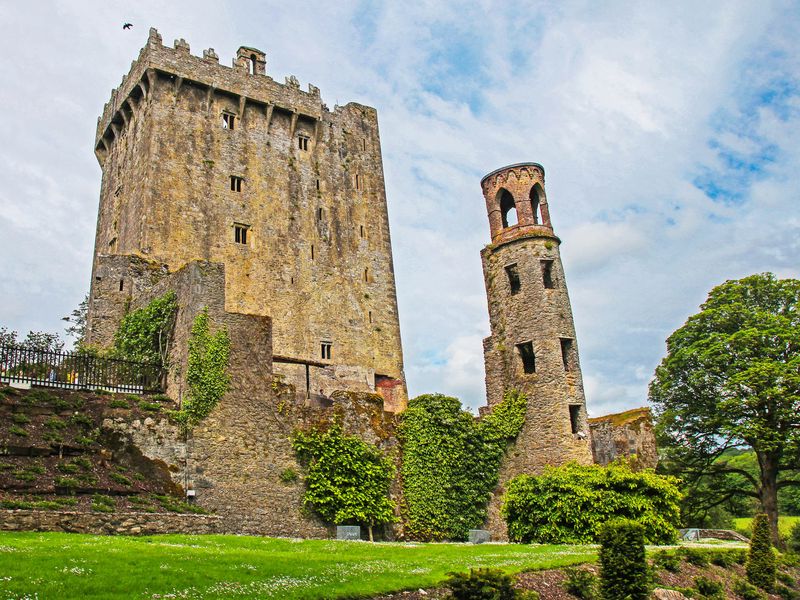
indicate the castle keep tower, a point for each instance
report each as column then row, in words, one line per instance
column 223, row 164
column 532, row 347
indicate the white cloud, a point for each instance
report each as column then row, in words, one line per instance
column 619, row 102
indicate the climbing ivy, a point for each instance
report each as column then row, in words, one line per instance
column 347, row 479
column 451, row 463
column 144, row 333
column 207, row 370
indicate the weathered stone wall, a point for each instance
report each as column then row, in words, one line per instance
column 537, row 314
column 318, row 253
column 627, row 434
column 109, row 523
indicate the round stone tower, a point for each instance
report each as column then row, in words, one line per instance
column 532, row 347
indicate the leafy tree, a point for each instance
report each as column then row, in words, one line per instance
column 41, row 341
column 570, row 503
column 731, row 379
column 77, row 320
column 347, row 479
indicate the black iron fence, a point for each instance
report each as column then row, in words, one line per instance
column 78, row 371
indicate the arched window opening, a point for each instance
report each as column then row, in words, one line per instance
column 253, row 64
column 536, row 196
column 508, row 208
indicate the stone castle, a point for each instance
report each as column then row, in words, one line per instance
column 253, row 199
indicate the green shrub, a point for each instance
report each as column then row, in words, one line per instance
column 102, row 503
column 793, row 542
column 695, row 556
column 786, row 593
column 20, row 418
column 82, row 462
column 85, row 440
column 81, row 420
column 786, row 579
column 623, row 566
column 24, row 475
column 119, row 478
column 288, row 475
column 485, row 584
column 119, row 403
column 17, row 430
column 722, row 558
column 709, row 589
column 581, row 583
column 568, row 504
column 748, row 591
column 161, row 398
column 667, row 560
column 55, row 423
column 172, row 504
column 67, row 482
column 150, row 406
column 38, row 397
column 761, row 565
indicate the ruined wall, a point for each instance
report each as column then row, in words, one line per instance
column 317, row 258
column 533, row 310
column 627, row 434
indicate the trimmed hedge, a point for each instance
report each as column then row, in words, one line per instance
column 623, row 565
column 761, row 567
column 568, row 504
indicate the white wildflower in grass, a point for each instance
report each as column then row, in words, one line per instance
column 76, row 571
column 8, row 549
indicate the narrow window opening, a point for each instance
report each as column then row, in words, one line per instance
column 364, row 144
column 536, row 198
column 528, row 357
column 547, row 274
column 253, row 64
column 319, row 214
column 508, row 209
column 574, row 417
column 358, row 182
column 302, row 142
column 121, row 285
column 566, row 353
column 240, row 233
column 361, row 229
column 366, row 275
column 370, row 316
column 312, row 251
column 325, row 350
column 291, row 280
column 513, row 278
column 236, row 183
column 317, row 184
column 228, row 121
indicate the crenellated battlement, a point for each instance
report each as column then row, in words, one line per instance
column 246, row 79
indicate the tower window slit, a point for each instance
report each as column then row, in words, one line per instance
column 228, row 121
column 547, row 274
column 566, row 353
column 302, row 142
column 236, row 183
column 574, row 417
column 513, row 278
column 240, row 233
column 312, row 251
column 319, row 214
column 528, row 357
column 361, row 230
column 121, row 285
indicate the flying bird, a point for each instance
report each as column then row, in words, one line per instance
column 127, row 25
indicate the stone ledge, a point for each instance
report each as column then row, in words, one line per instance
column 125, row 523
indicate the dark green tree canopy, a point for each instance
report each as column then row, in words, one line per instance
column 731, row 379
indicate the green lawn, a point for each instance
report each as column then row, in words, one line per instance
column 63, row 566
column 785, row 524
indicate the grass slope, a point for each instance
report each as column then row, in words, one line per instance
column 64, row 566
column 785, row 524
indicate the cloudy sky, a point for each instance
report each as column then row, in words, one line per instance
column 669, row 130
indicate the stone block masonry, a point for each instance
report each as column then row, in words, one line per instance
column 223, row 164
